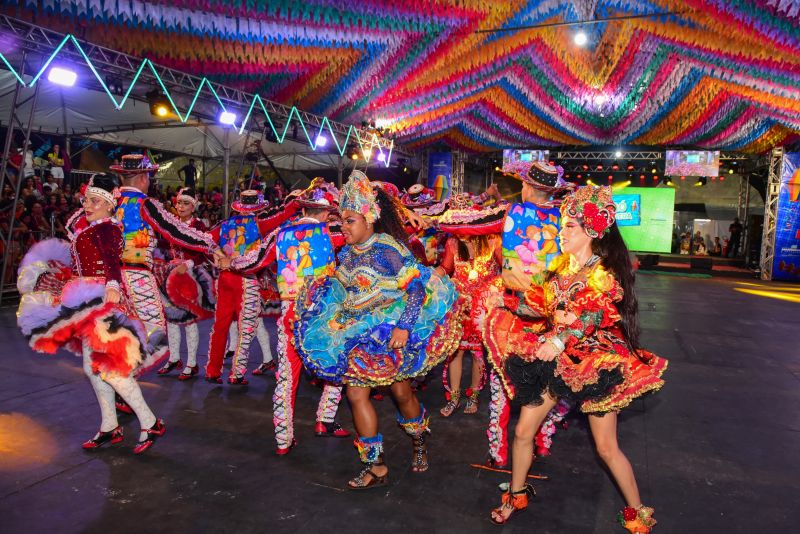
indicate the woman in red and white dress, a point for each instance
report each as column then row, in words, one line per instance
column 71, row 299
column 187, row 288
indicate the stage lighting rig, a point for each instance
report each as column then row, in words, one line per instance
column 160, row 105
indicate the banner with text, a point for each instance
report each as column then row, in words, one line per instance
column 787, row 224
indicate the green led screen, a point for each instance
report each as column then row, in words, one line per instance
column 654, row 232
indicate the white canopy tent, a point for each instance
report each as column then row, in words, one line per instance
column 86, row 113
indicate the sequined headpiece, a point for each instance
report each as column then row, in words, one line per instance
column 593, row 206
column 358, row 196
column 105, row 189
column 187, row 194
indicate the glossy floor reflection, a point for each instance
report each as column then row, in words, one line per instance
column 714, row 452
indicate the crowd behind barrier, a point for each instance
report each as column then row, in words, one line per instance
column 49, row 194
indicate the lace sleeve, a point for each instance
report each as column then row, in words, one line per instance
column 408, row 279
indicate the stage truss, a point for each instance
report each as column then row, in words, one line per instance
column 771, row 212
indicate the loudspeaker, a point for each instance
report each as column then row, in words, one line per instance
column 700, row 263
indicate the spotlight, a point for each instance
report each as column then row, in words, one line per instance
column 669, row 182
column 641, row 176
column 405, row 169
column 322, row 140
column 617, row 154
column 159, row 104
column 354, row 155
column 580, row 38
column 615, row 167
column 683, row 178
column 381, row 156
column 610, row 178
column 585, row 167
column 599, row 167
column 701, row 182
column 62, row 76
column 227, row 118
column 497, row 169
column 114, row 85
column 730, row 171
column 653, row 170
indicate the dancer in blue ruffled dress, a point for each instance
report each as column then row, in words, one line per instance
column 381, row 320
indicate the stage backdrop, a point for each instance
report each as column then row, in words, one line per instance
column 787, row 232
column 440, row 173
column 644, row 217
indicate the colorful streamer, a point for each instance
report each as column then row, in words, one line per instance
column 708, row 73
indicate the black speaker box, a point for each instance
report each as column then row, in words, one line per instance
column 700, row 263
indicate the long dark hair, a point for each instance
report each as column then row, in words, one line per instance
column 390, row 222
column 480, row 244
column 614, row 256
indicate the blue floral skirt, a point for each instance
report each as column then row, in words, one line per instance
column 344, row 347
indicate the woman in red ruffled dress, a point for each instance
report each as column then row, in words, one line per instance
column 588, row 354
column 187, row 289
column 473, row 263
column 71, row 299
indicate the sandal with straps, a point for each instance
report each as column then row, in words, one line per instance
column 452, row 404
column 516, row 501
column 359, row 483
column 471, row 406
column 419, row 462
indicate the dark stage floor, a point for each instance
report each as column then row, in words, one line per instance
column 715, row 451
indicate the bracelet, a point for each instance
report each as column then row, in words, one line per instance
column 557, row 343
column 112, row 284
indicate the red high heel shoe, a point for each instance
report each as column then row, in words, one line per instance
column 188, row 376
column 169, row 367
column 237, row 381
column 330, row 430
column 283, row 451
column 121, row 405
column 153, row 433
column 112, row 437
column 264, row 368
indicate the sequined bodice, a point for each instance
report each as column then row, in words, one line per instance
column 378, row 272
column 474, row 273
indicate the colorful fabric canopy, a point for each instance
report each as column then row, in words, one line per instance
column 706, row 73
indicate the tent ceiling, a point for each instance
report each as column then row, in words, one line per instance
column 91, row 114
column 702, row 73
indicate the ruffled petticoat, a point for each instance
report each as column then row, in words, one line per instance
column 189, row 297
column 600, row 375
column 58, row 311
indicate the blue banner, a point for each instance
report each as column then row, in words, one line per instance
column 787, row 225
column 629, row 209
column 440, row 174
